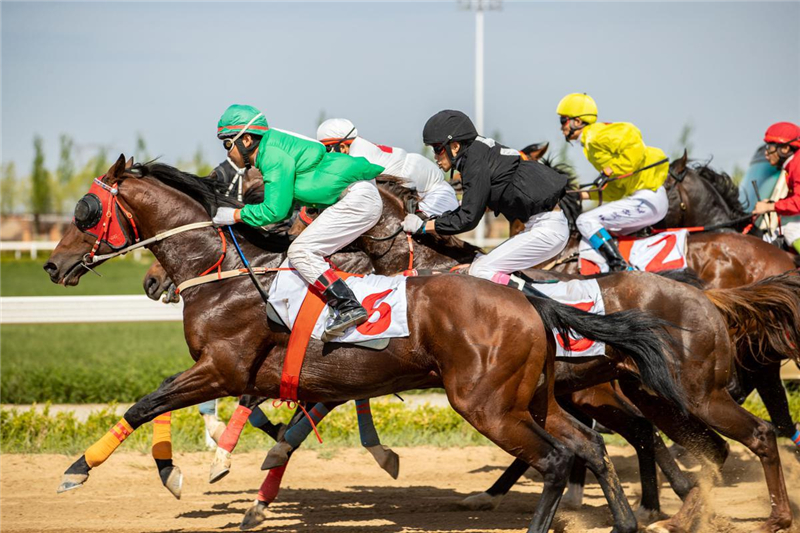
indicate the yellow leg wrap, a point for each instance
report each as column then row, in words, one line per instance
column 162, row 437
column 103, row 448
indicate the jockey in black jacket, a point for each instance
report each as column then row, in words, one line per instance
column 496, row 177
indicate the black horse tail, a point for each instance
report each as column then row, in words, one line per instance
column 637, row 334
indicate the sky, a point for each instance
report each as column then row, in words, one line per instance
column 105, row 72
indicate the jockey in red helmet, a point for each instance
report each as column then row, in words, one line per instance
column 783, row 141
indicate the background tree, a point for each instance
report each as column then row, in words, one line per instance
column 9, row 189
column 684, row 142
column 65, row 173
column 201, row 167
column 41, row 200
column 141, row 155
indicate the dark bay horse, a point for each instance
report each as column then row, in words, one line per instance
column 658, row 296
column 236, row 350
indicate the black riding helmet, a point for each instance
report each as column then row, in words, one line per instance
column 446, row 126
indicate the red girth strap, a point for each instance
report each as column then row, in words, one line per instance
column 310, row 309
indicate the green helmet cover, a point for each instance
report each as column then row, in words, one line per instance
column 236, row 117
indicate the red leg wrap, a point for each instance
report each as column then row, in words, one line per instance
column 272, row 485
column 234, row 429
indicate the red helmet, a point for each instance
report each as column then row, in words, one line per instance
column 783, row 133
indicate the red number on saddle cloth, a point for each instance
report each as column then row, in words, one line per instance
column 658, row 264
column 387, row 149
column 580, row 345
column 384, row 309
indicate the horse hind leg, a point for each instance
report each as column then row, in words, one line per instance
column 733, row 421
column 589, row 446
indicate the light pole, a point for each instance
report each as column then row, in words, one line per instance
column 479, row 6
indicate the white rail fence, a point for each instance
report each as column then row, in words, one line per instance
column 83, row 309
column 34, row 247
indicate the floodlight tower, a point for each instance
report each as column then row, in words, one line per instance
column 479, row 6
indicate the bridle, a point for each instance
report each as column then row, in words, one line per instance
column 107, row 229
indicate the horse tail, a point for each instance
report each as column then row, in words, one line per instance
column 765, row 315
column 637, row 334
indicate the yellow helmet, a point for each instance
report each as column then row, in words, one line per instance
column 578, row 105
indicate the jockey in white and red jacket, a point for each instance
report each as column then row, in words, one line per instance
column 418, row 172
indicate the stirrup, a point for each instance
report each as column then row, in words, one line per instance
column 344, row 321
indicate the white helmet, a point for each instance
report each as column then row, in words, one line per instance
column 336, row 131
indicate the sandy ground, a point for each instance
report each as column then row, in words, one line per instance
column 337, row 490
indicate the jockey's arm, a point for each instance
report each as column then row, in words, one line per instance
column 477, row 186
column 620, row 150
column 278, row 170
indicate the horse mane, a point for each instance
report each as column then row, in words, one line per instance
column 206, row 192
column 394, row 186
column 724, row 185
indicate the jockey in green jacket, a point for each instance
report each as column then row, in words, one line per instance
column 298, row 170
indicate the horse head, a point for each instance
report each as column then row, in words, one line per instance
column 130, row 204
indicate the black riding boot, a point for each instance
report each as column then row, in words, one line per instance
column 616, row 263
column 347, row 311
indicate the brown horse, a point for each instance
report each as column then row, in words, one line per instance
column 704, row 379
column 237, row 351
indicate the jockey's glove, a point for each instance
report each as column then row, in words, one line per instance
column 224, row 216
column 413, row 224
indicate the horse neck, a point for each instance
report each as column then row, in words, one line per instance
column 188, row 254
column 708, row 207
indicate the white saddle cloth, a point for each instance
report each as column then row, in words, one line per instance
column 586, row 296
column 382, row 296
column 664, row 251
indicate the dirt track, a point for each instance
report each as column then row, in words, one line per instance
column 345, row 493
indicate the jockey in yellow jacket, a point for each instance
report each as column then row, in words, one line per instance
column 616, row 149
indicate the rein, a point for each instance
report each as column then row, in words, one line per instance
column 92, row 259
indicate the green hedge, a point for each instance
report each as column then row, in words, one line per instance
column 398, row 425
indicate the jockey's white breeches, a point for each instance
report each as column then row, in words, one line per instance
column 626, row 215
column 791, row 231
column 544, row 237
column 337, row 226
column 439, row 199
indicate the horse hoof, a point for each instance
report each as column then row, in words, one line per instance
column 71, row 482
column 174, row 482
column 277, row 456
column 663, row 527
column 255, row 515
column 573, row 498
column 482, row 501
column 220, row 466
column 645, row 516
column 386, row 458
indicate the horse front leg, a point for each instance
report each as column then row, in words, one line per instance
column 170, row 475
column 186, row 388
column 221, row 464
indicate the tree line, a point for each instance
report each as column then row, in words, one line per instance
column 47, row 190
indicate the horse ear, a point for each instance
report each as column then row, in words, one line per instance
column 118, row 168
column 129, row 163
column 680, row 164
column 536, row 151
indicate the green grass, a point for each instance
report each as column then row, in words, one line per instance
column 88, row 363
column 25, row 277
column 398, row 425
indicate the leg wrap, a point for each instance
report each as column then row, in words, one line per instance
column 162, row 437
column 234, row 429
column 366, row 426
column 271, row 485
column 796, row 437
column 103, row 448
column 257, row 418
column 296, row 434
column 208, row 408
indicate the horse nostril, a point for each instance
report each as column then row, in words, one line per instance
column 50, row 268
